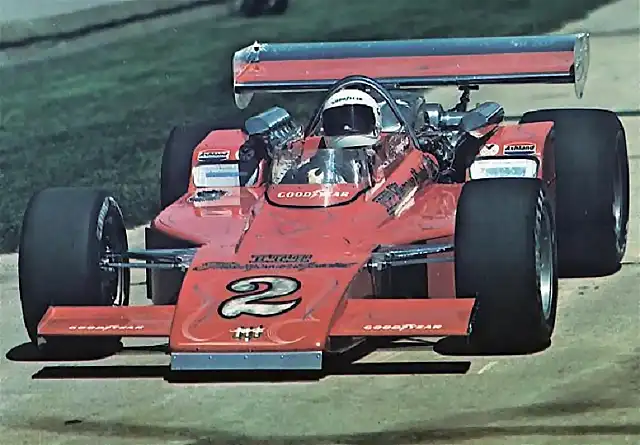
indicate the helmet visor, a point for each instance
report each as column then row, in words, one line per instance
column 347, row 120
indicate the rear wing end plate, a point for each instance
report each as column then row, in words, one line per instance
column 411, row 64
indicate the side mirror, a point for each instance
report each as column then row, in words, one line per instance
column 484, row 114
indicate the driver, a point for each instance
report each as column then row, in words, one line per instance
column 351, row 119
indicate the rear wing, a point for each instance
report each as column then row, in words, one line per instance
column 411, row 64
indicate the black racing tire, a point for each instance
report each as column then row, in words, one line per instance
column 592, row 189
column 175, row 171
column 247, row 8
column 277, row 7
column 502, row 227
column 65, row 232
column 175, row 175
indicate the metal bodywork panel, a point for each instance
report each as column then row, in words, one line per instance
column 284, row 334
column 254, row 361
column 131, row 321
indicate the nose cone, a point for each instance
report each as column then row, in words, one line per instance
column 260, row 302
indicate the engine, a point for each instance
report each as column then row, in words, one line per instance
column 450, row 135
column 272, row 129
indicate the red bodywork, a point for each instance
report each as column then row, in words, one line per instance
column 328, row 248
column 283, row 269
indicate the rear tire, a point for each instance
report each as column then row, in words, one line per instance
column 175, row 175
column 175, row 171
column 505, row 257
column 592, row 189
column 65, row 233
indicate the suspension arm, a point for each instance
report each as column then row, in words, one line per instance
column 149, row 259
column 390, row 256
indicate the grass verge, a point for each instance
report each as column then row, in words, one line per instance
column 100, row 117
column 23, row 33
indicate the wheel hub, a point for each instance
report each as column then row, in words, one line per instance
column 618, row 203
column 545, row 259
column 113, row 287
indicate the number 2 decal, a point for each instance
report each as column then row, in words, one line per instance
column 255, row 291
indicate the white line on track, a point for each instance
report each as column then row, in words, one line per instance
column 487, row 367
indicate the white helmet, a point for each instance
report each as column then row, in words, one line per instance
column 351, row 118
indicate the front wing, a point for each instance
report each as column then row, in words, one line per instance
column 359, row 318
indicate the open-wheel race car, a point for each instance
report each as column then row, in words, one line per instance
column 384, row 217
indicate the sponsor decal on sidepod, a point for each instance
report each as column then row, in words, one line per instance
column 519, row 149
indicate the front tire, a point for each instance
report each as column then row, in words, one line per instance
column 65, row 233
column 505, row 257
column 592, row 189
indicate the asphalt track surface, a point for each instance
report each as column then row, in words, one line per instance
column 584, row 390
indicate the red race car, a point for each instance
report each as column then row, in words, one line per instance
column 384, row 217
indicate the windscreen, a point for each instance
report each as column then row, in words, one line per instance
column 328, row 177
column 326, row 166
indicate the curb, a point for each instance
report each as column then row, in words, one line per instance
column 23, row 33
